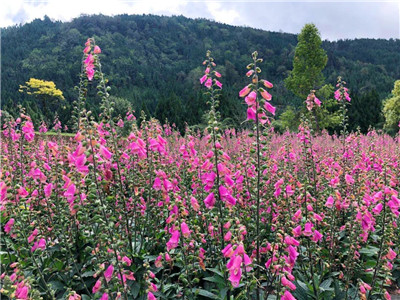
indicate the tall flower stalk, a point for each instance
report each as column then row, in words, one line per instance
column 256, row 111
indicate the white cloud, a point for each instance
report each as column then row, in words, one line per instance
column 221, row 14
column 12, row 10
column 335, row 19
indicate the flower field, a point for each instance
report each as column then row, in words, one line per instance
column 213, row 214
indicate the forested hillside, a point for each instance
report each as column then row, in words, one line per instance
column 153, row 63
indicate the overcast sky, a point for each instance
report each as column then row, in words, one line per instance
column 335, row 19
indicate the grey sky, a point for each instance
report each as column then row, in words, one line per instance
column 335, row 20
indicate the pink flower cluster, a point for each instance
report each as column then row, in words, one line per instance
column 90, row 58
column 251, row 100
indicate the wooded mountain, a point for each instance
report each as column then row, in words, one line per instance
column 154, row 63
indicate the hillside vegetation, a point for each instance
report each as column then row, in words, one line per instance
column 153, row 62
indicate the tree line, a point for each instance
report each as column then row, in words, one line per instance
column 153, row 64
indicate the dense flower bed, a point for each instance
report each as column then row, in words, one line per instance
column 217, row 214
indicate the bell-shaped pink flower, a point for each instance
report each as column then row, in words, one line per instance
column 87, row 49
column 287, row 283
column 104, row 296
column 287, row 296
column 208, row 83
column 329, row 202
column 267, row 84
column 48, row 189
column 308, row 229
column 33, row 235
column 203, row 79
column 185, row 230
column 9, row 225
column 269, row 108
column 391, row 254
column 251, row 113
column 96, row 287
column 377, row 209
column 251, row 98
column 96, row 50
column 235, row 270
column 22, row 292
column 249, row 73
column 127, row 260
column 317, row 236
column 209, row 201
column 228, row 236
column 349, row 179
column 227, row 251
column 105, row 152
column 267, row 96
column 109, row 272
column 174, row 240
column 244, row 91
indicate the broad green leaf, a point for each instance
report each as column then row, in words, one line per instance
column 204, row 293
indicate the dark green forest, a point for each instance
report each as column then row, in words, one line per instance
column 154, row 63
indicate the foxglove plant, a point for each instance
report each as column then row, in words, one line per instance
column 256, row 111
column 342, row 95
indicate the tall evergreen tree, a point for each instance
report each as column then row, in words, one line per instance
column 309, row 61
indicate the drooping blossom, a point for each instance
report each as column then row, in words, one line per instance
column 267, row 84
column 127, row 260
column 267, row 96
column 173, row 241
column 96, row 287
column 28, row 131
column 22, row 292
column 33, row 235
column 209, row 201
column 109, row 272
column 251, row 98
column 208, row 83
column 96, row 50
column 235, row 270
column 203, row 79
column 269, row 108
column 185, row 230
column 329, row 202
column 287, row 296
column 244, row 91
column 9, row 225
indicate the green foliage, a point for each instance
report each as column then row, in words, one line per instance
column 152, row 59
column 365, row 111
column 328, row 114
column 288, row 120
column 309, row 61
column 391, row 110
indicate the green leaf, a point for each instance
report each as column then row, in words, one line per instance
column 135, row 289
column 369, row 251
column 56, row 285
column 301, row 291
column 88, row 274
column 216, row 279
column 216, row 271
column 58, row 264
column 370, row 264
column 326, row 284
column 204, row 293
